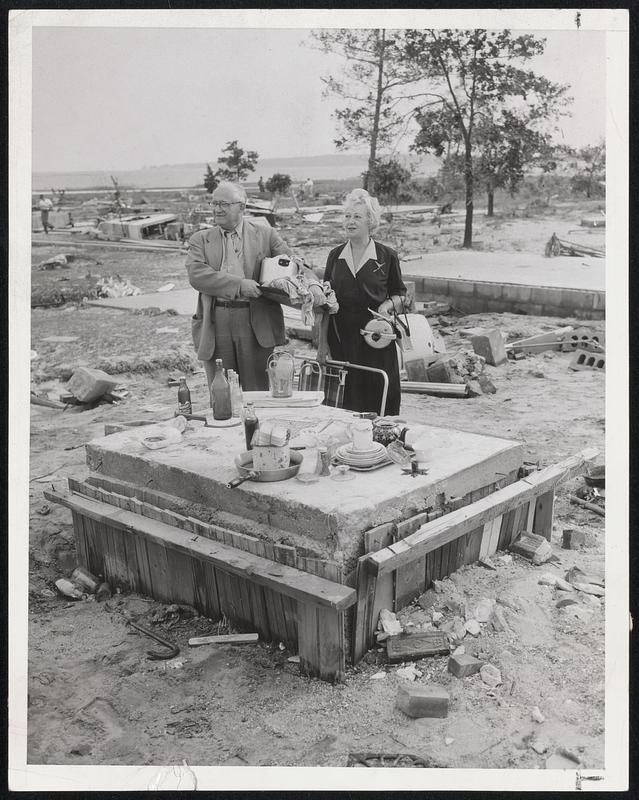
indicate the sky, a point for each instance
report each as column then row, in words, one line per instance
column 124, row 98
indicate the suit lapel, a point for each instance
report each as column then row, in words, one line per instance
column 251, row 246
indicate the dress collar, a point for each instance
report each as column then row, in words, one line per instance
column 347, row 255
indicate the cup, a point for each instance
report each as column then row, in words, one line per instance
column 361, row 433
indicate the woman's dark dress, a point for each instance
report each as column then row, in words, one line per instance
column 374, row 282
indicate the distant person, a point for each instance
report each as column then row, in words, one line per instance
column 260, row 185
column 45, row 205
column 308, row 188
column 232, row 320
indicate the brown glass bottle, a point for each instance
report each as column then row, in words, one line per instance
column 251, row 424
column 184, row 398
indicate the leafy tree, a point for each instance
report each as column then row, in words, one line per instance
column 278, row 184
column 388, row 176
column 475, row 75
column 375, row 111
column 593, row 172
column 237, row 163
column 210, row 179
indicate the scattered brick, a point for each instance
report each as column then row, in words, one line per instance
column 491, row 346
column 572, row 538
column 463, row 665
column 423, row 701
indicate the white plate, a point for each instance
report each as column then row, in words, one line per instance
column 348, row 451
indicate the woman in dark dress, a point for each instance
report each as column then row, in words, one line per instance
column 365, row 275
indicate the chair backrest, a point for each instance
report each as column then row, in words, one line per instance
column 330, row 377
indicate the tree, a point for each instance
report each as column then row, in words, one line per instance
column 210, row 179
column 236, row 164
column 375, row 110
column 475, row 74
column 593, row 171
column 278, row 184
column 388, row 176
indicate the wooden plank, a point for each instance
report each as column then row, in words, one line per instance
column 375, row 539
column 439, row 532
column 308, row 638
column 282, row 578
column 181, row 581
column 519, row 521
column 159, row 570
column 133, row 569
column 473, row 545
column 363, row 629
column 80, row 538
column 544, row 512
column 506, row 530
column 330, row 631
column 495, row 528
column 228, row 638
column 205, row 589
column 273, row 603
column 530, row 516
column 144, row 569
column 234, row 586
column 413, row 646
column 458, row 551
column 259, row 615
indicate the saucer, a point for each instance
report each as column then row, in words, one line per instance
column 369, row 452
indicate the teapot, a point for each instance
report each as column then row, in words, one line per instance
column 361, row 434
column 386, row 431
column 280, row 369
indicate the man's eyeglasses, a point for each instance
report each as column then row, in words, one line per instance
column 224, row 206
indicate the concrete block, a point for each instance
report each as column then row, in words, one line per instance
column 516, row 293
column 497, row 305
column 463, row 665
column 489, row 291
column 491, row 346
column 459, row 288
column 442, row 372
column 433, row 285
column 423, row 701
column 572, row 539
column 534, row 309
column 583, row 359
column 416, row 370
column 88, row 384
column 545, row 295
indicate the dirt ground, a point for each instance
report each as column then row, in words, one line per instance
column 95, row 698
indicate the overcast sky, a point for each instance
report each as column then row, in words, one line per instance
column 124, row 98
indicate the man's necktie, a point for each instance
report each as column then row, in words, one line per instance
column 232, row 255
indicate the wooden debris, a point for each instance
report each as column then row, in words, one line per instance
column 44, row 401
column 590, row 506
column 229, row 638
column 560, row 247
column 413, row 646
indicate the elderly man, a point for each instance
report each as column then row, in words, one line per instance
column 232, row 320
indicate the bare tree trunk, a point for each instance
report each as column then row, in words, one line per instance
column 369, row 181
column 468, row 177
column 491, row 201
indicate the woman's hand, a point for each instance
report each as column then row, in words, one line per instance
column 385, row 308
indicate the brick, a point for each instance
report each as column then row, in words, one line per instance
column 584, row 359
column 442, row 372
column 416, row 370
column 463, row 665
column 88, row 384
column 415, row 646
column 423, row 701
column 572, row 538
column 491, row 346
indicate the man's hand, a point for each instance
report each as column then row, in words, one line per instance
column 249, row 288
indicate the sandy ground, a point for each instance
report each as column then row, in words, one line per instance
column 95, row 698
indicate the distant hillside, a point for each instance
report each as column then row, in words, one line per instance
column 166, row 176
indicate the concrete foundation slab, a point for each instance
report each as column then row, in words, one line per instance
column 330, row 515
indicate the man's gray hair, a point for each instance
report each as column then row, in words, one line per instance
column 362, row 197
column 240, row 193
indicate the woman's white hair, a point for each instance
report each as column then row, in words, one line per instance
column 362, row 197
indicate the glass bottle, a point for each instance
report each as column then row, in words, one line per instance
column 251, row 424
column 184, row 397
column 220, row 393
column 236, row 393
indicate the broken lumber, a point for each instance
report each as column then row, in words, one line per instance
column 437, row 389
column 585, row 504
column 44, row 401
column 451, row 526
column 229, row 638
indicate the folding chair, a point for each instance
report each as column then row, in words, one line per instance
column 330, row 377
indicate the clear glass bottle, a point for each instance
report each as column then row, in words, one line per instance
column 236, row 393
column 220, row 393
column 184, row 397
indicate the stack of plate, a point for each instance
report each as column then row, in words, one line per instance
column 362, row 458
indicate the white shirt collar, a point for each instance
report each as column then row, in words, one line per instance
column 347, row 255
column 238, row 228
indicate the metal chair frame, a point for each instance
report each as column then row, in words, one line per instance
column 310, row 367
